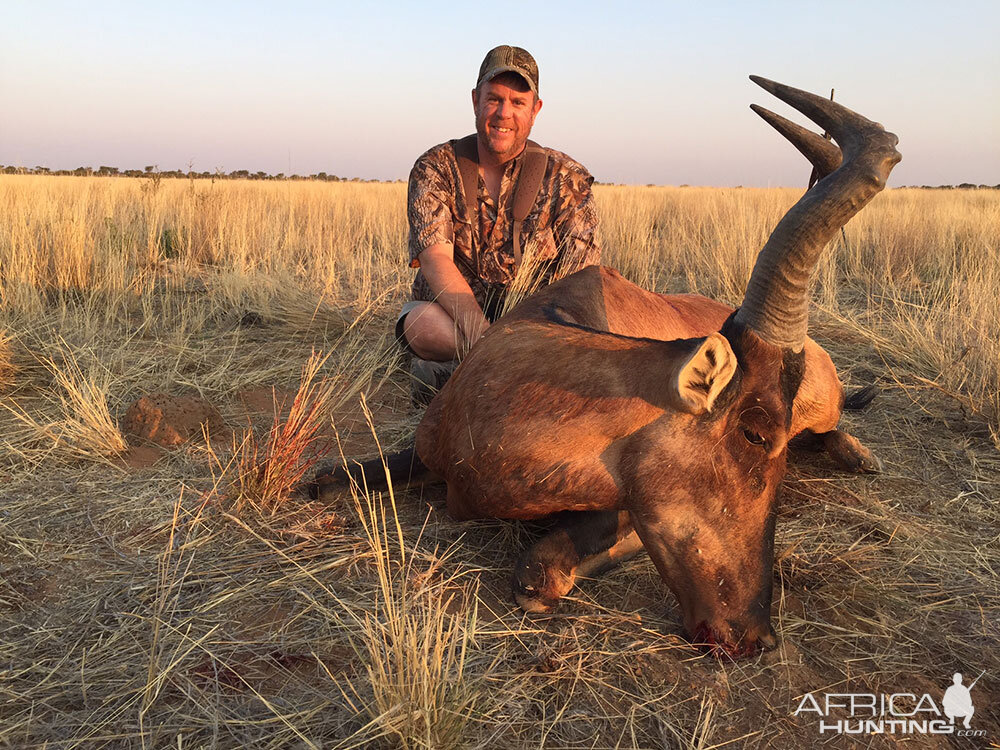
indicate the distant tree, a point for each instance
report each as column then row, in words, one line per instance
column 149, row 169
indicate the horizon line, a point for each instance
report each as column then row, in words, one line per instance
column 153, row 172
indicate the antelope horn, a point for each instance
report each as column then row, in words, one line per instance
column 776, row 303
column 821, row 153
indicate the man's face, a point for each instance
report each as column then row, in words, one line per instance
column 505, row 111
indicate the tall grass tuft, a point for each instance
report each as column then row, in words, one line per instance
column 415, row 650
column 263, row 473
column 7, row 368
column 76, row 421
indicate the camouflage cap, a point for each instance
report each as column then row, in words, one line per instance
column 507, row 59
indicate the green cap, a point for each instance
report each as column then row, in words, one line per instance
column 507, row 59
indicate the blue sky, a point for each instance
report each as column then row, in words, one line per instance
column 638, row 92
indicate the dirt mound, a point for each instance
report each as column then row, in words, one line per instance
column 171, row 420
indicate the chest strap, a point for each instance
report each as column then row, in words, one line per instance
column 529, row 182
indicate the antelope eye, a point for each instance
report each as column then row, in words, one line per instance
column 753, row 437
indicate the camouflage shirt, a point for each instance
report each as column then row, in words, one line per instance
column 559, row 231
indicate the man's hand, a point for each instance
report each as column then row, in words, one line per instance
column 470, row 330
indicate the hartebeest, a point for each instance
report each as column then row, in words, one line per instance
column 678, row 445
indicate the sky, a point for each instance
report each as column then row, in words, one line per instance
column 638, row 92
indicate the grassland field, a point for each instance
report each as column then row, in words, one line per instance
column 189, row 597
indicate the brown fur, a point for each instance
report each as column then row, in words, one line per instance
column 545, row 416
column 601, row 298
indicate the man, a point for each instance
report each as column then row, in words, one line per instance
column 467, row 239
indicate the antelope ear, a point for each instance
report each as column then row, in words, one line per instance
column 705, row 374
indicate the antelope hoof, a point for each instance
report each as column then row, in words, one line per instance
column 870, row 464
column 538, row 588
column 850, row 454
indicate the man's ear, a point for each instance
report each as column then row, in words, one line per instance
column 475, row 100
column 705, row 374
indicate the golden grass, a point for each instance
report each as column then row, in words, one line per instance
column 263, row 473
column 916, row 275
column 77, row 423
column 7, row 367
column 413, row 647
column 145, row 608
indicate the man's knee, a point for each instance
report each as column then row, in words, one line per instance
column 429, row 332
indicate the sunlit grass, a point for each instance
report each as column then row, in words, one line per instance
column 75, row 419
column 917, row 270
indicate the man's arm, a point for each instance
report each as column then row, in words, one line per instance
column 452, row 292
column 430, row 204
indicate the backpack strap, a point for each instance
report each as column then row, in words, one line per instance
column 467, row 154
column 529, row 182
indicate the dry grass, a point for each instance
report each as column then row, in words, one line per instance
column 263, row 473
column 78, row 423
column 146, row 608
column 415, row 650
column 7, row 368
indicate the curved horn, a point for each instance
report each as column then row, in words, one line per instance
column 776, row 302
column 821, row 153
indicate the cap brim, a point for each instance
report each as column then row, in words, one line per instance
column 494, row 72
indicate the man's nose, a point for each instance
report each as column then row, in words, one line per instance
column 504, row 108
